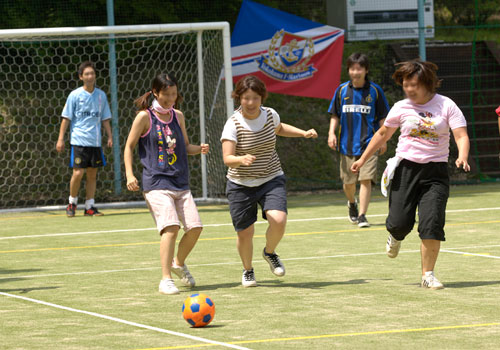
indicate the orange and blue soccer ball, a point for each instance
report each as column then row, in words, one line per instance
column 198, row 310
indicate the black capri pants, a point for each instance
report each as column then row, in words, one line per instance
column 423, row 186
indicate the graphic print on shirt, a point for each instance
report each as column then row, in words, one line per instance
column 424, row 128
column 166, row 152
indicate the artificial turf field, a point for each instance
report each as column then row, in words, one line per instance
column 92, row 282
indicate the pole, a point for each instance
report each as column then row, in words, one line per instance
column 114, row 100
column 421, row 30
column 201, row 97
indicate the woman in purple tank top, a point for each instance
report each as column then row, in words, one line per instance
column 160, row 131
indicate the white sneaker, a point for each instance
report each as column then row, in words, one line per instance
column 274, row 262
column 430, row 281
column 392, row 247
column 167, row 286
column 183, row 273
column 248, row 278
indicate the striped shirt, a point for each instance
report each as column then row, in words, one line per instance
column 260, row 143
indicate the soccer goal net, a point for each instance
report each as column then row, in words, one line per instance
column 39, row 70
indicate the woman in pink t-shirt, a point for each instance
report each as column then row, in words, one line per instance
column 421, row 178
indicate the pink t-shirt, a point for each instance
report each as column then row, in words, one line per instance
column 425, row 129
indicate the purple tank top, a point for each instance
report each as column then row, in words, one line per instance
column 163, row 156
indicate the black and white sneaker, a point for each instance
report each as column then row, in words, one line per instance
column 274, row 262
column 362, row 221
column 353, row 212
column 248, row 278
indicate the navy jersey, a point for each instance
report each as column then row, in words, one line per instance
column 163, row 155
column 360, row 111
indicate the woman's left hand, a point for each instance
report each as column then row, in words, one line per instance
column 311, row 133
column 462, row 163
column 205, row 147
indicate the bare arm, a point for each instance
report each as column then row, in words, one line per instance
column 463, row 144
column 332, row 136
column 287, row 130
column 190, row 149
column 107, row 127
column 62, row 131
column 499, row 124
column 381, row 136
column 229, row 157
column 383, row 148
column 139, row 127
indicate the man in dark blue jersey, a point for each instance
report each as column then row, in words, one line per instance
column 359, row 106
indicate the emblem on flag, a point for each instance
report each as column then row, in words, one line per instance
column 283, row 50
column 287, row 57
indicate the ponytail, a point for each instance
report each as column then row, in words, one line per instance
column 142, row 102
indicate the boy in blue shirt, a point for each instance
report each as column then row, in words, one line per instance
column 85, row 109
column 359, row 106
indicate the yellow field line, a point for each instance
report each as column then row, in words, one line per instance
column 223, row 238
column 395, row 331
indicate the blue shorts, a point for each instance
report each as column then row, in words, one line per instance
column 243, row 201
column 86, row 157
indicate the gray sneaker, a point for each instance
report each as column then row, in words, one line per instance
column 353, row 212
column 183, row 273
column 274, row 262
column 167, row 286
column 362, row 221
column 430, row 281
column 392, row 247
column 248, row 278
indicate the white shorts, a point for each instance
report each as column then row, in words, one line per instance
column 171, row 208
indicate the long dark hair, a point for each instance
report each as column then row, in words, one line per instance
column 160, row 82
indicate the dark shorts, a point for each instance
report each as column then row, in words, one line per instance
column 243, row 201
column 426, row 186
column 86, row 157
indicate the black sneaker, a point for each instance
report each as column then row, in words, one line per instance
column 362, row 221
column 92, row 212
column 353, row 212
column 248, row 278
column 274, row 262
column 70, row 210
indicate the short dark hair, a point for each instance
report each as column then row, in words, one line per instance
column 84, row 65
column 424, row 70
column 359, row 58
column 249, row 82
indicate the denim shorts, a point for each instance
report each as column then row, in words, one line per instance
column 243, row 201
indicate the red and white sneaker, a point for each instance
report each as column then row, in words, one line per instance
column 92, row 212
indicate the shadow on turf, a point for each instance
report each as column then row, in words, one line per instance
column 8, row 272
column 278, row 283
column 469, row 284
column 25, row 290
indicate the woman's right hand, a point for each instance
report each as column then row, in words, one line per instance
column 357, row 165
column 247, row 159
column 132, row 183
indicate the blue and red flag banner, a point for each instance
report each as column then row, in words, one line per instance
column 292, row 55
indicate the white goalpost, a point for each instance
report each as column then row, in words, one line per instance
column 38, row 70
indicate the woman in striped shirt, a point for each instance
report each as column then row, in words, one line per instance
column 255, row 175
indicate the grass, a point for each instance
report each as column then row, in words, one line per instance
column 100, row 276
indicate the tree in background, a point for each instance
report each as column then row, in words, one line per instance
column 450, row 12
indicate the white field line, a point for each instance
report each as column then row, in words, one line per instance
column 119, row 320
column 449, row 250
column 217, row 225
column 473, row 254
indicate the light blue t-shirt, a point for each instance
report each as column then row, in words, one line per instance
column 86, row 111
